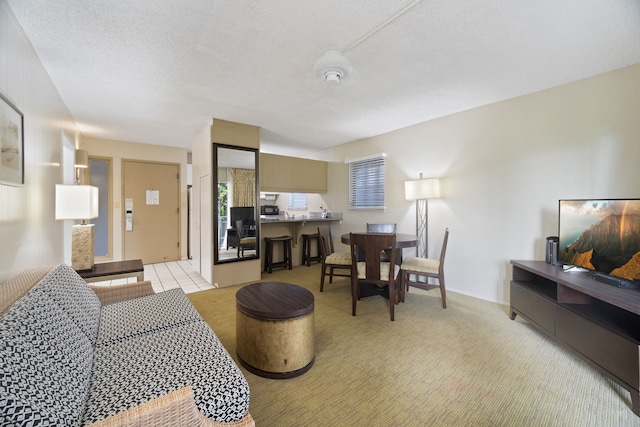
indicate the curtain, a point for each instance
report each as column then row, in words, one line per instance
column 244, row 187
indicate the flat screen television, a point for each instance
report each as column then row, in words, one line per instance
column 246, row 214
column 601, row 235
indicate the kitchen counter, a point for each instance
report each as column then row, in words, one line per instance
column 295, row 225
column 282, row 220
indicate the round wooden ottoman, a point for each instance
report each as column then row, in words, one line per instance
column 275, row 329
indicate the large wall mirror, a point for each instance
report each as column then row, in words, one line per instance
column 235, row 200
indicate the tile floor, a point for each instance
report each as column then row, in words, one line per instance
column 169, row 275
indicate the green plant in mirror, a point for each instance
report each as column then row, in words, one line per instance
column 223, row 191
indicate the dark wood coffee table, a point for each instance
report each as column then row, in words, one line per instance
column 275, row 336
column 114, row 270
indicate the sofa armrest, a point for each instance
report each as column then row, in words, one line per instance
column 114, row 293
column 14, row 288
column 177, row 408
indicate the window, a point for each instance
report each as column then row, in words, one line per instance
column 366, row 182
column 298, row 201
column 100, row 176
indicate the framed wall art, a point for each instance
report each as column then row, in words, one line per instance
column 11, row 143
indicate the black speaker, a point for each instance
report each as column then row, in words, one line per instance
column 551, row 255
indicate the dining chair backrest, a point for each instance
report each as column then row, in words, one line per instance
column 240, row 228
column 370, row 269
column 416, row 272
column 443, row 251
column 366, row 248
column 381, row 228
column 325, row 240
column 337, row 263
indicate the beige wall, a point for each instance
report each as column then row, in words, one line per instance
column 119, row 151
column 503, row 168
column 222, row 132
column 29, row 234
column 242, row 135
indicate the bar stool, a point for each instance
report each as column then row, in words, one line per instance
column 307, row 238
column 269, row 264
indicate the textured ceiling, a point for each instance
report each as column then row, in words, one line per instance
column 157, row 72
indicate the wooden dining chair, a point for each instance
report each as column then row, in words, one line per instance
column 246, row 242
column 330, row 259
column 366, row 266
column 425, row 268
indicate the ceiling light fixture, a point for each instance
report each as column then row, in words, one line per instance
column 333, row 67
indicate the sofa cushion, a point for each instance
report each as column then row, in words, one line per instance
column 144, row 367
column 46, row 363
column 75, row 297
column 138, row 316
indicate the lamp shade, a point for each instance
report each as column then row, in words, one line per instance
column 428, row 188
column 76, row 201
column 82, row 159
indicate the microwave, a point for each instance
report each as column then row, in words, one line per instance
column 269, row 210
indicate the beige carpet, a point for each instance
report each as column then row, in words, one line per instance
column 468, row 365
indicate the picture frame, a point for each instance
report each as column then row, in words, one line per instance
column 11, row 143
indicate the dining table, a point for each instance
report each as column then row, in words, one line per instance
column 403, row 241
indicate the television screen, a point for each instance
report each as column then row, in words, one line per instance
column 601, row 235
column 246, row 214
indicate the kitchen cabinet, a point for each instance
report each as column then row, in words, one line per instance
column 292, row 174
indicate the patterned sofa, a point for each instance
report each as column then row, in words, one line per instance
column 74, row 354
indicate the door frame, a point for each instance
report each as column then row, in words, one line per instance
column 67, row 170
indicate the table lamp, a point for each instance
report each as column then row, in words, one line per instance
column 421, row 190
column 79, row 202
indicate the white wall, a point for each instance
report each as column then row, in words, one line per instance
column 503, row 169
column 29, row 234
column 201, row 221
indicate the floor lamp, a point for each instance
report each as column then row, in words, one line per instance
column 79, row 202
column 421, row 190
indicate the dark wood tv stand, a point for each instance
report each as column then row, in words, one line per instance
column 598, row 322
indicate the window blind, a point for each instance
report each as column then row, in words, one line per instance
column 366, row 182
column 298, row 201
